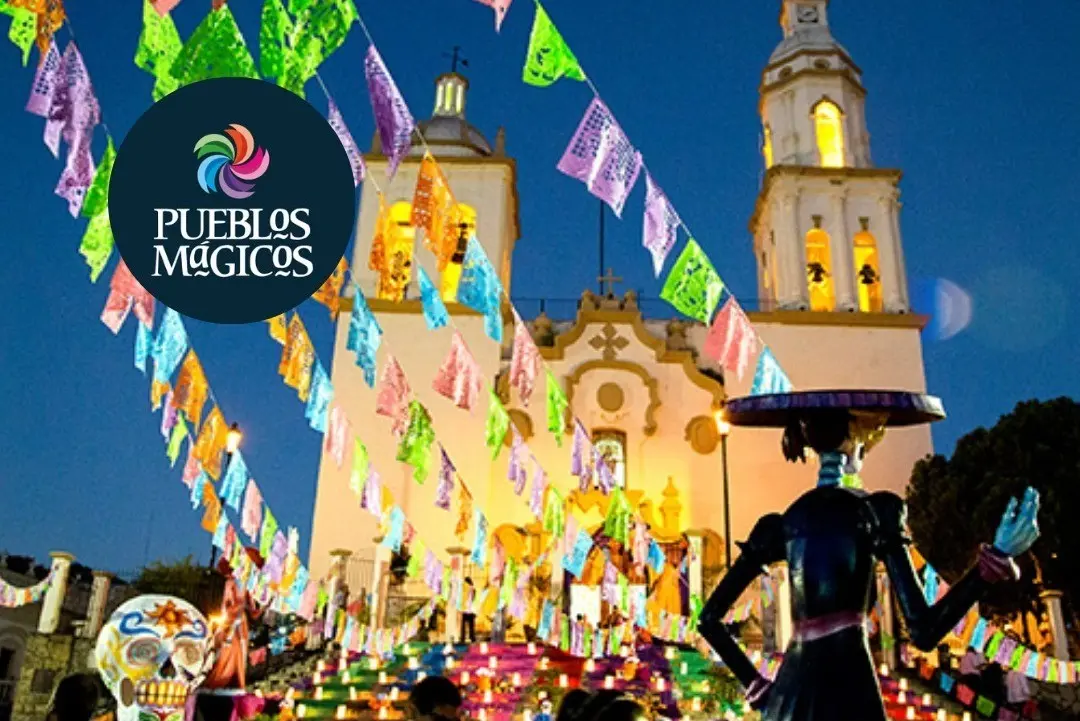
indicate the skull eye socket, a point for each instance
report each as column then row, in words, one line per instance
column 187, row 654
column 144, row 651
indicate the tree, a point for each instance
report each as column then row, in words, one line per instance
column 184, row 579
column 955, row 504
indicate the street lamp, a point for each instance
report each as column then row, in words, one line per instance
column 232, row 439
column 723, row 428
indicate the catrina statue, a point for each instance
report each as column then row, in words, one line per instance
column 832, row 538
column 153, row 654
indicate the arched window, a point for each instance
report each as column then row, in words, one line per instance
column 611, row 445
column 766, row 147
column 451, row 274
column 867, row 272
column 829, row 129
column 819, row 270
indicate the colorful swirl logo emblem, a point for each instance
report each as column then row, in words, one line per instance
column 230, row 162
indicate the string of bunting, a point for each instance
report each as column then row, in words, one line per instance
column 218, row 35
column 363, row 638
column 510, row 581
column 988, row 639
column 397, row 401
column 601, row 155
column 435, row 211
column 14, row 596
column 63, row 94
column 306, row 35
column 277, row 578
column 374, row 62
column 219, row 38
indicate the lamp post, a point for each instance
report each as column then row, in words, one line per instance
column 723, row 429
column 232, row 442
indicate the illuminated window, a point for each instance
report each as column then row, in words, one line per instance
column 392, row 252
column 818, row 270
column 829, row 128
column 611, row 445
column 766, row 148
column 867, row 272
column 451, row 274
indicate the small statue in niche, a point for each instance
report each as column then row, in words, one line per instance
column 676, row 335
column 816, row 272
column 867, row 275
column 543, row 330
column 630, row 300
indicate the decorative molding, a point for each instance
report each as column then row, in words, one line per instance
column 780, row 175
column 659, row 347
column 840, row 319
column 523, row 422
column 650, row 383
column 609, row 341
column 701, row 434
column 610, row 397
column 783, row 81
column 410, row 306
column 814, row 53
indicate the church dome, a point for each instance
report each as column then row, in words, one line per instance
column 447, row 131
column 449, row 135
column 814, row 38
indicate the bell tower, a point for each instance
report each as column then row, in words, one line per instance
column 826, row 223
column 481, row 176
column 483, row 180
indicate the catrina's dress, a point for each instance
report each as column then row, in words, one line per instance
column 832, row 538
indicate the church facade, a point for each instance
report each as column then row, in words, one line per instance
column 826, row 240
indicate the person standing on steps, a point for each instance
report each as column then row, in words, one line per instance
column 468, row 613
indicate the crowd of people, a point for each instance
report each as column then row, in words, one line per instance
column 437, row 698
column 1005, row 688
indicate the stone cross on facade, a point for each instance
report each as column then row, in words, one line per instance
column 609, row 342
column 609, row 280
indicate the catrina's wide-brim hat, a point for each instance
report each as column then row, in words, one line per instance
column 779, row 410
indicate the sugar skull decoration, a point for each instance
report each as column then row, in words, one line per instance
column 152, row 654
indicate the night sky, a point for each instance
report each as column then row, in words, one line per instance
column 975, row 103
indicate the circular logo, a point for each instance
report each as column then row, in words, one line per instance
column 232, row 200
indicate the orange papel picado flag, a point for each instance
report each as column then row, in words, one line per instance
column 435, row 210
column 330, row 292
column 391, row 256
column 191, row 389
column 212, row 504
column 278, row 330
column 297, row 358
column 210, row 443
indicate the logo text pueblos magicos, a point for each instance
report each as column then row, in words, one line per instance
column 232, row 242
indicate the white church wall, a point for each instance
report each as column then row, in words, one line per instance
column 339, row 522
column 817, row 356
